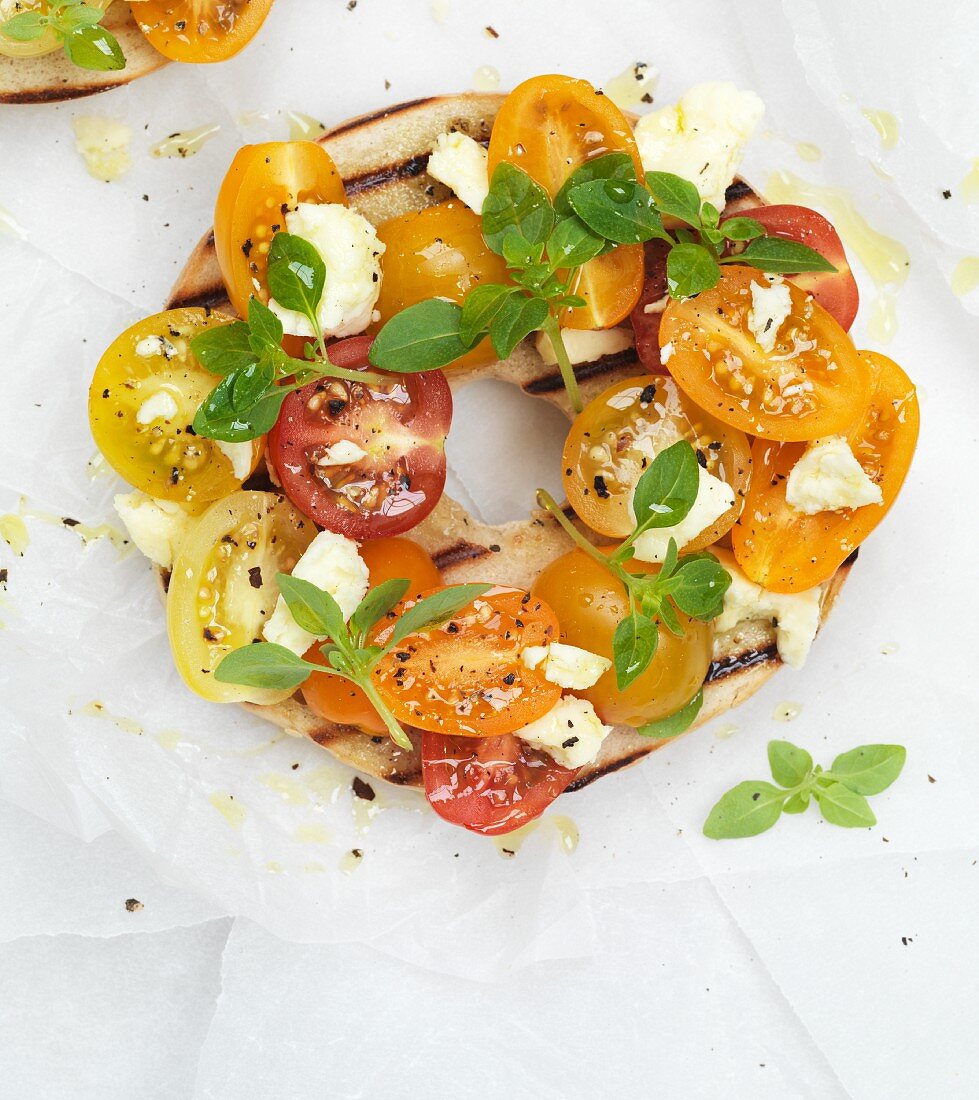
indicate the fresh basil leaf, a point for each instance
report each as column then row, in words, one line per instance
column 265, row 328
column 618, row 210
column 670, row 560
column 841, row 806
column 377, row 603
column 223, row 349
column 713, row 237
column 869, row 769
column 779, row 255
column 217, row 419
column 668, row 487
column 790, row 765
column 263, row 665
column 519, row 252
column 250, row 384
column 742, row 229
column 313, row 609
column 690, row 269
column 797, row 803
column 422, row 337
column 748, row 809
column 709, row 216
column 94, row 48
column 26, row 26
column 435, row 609
column 610, row 166
column 674, row 724
column 478, row 310
column 515, row 201
column 518, row 317
column 75, row 15
column 296, row 274
column 675, row 196
column 633, row 647
column 668, row 618
column 572, row 243
column 698, row 587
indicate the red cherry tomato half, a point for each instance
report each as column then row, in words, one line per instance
column 489, row 785
column 388, row 471
column 835, row 291
column 648, row 313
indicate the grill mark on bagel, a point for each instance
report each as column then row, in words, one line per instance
column 735, row 662
column 552, row 381
column 377, row 116
column 57, row 94
column 608, row 769
column 459, row 552
column 381, row 177
column 209, row 298
column 738, row 191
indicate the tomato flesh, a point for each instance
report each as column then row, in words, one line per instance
column 490, row 786
column 647, row 315
column 397, row 428
column 466, row 676
column 784, row 550
column 200, row 31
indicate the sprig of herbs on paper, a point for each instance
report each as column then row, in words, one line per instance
column 348, row 651
column 86, row 42
column 249, row 356
column 753, row 807
column 693, row 584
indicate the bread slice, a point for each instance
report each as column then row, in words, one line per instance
column 52, row 77
column 382, row 157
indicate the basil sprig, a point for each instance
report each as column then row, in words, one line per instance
column 693, row 584
column 753, row 807
column 86, row 43
column 248, row 354
column 350, row 656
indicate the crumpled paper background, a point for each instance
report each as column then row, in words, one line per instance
column 811, row 961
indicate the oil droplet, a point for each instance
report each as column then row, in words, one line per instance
column 883, row 318
column 292, row 793
column 486, row 79
column 312, row 834
column 510, row 843
column 185, row 143
column 567, row 832
column 351, row 861
column 364, row 812
column 965, row 277
column 722, row 733
column 314, row 868
column 169, row 739
column 887, row 126
column 805, row 150
column 632, row 86
column 303, row 127
column 10, row 225
column 274, row 868
column 14, row 533
column 786, row 712
column 440, row 10
column 969, row 187
column 325, row 784
column 85, row 531
column 232, row 812
column 97, row 466
column 96, row 709
column 252, row 118
column 888, row 648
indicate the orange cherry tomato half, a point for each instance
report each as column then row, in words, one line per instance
column 808, row 386
column 466, row 677
column 262, row 185
column 549, row 126
column 339, row 700
column 785, row 550
column 492, row 785
column 200, row 31
column 438, row 252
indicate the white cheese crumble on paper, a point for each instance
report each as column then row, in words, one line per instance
column 770, row 306
column 714, row 498
column 461, row 163
column 829, row 477
column 702, row 137
column 332, row 563
column 349, row 247
column 161, row 406
column 156, row 527
column 567, row 665
column 240, row 455
column 585, row 345
column 104, row 146
column 571, row 733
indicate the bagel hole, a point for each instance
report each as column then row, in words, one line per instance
column 503, row 447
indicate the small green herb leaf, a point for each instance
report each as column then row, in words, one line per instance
column 515, row 202
column 217, row 418
column 776, row 254
column 482, row 304
column 797, row 803
column 690, row 269
column 668, row 488
column 572, row 244
column 251, row 383
column 841, row 806
column 72, row 15
column 869, row 769
column 790, row 765
column 698, row 587
column 264, row 327
column 435, row 609
column 296, row 274
column 675, row 196
column 422, row 337
column 742, row 229
column 313, row 609
column 517, row 317
column 674, row 724
column 95, row 48
column 224, row 348
column 377, row 603
column 263, row 665
column 618, row 210
column 611, row 166
column 26, row 26
column 748, row 809
column 633, row 647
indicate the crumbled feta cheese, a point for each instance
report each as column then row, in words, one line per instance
column 104, row 144
column 332, row 563
column 350, row 249
column 341, row 453
column 156, row 527
column 702, row 137
column 160, row 406
column 461, row 164
column 770, row 305
column 585, row 345
column 571, row 733
column 796, row 614
column 240, row 455
column 155, row 345
column 714, row 498
column 828, row 477
column 567, row 665
column 666, row 352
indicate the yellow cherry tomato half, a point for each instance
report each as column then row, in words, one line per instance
column 48, row 41
column 806, row 387
column 141, row 405
column 200, row 31
column 622, row 430
column 222, row 588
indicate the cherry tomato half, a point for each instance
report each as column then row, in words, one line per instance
column 466, row 677
column 262, row 185
column 784, row 550
column 808, row 386
column 200, row 31
column 835, row 291
column 366, row 461
column 492, row 785
column 549, row 126
column 648, row 312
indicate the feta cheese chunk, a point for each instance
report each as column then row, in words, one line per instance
column 104, row 146
column 770, row 305
column 714, row 498
column 240, row 455
column 342, row 452
column 161, row 406
column 701, row 138
column 829, row 477
column 567, row 665
column 332, row 563
column 571, row 733
column 155, row 345
column 350, row 249
column 796, row 614
column 156, row 527
column 585, row 345
column 461, row 164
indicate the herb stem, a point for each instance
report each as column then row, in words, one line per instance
column 553, row 330
column 547, row 502
column 366, row 684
